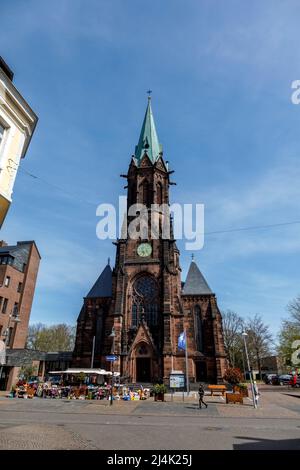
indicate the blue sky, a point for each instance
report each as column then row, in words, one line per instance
column 221, row 75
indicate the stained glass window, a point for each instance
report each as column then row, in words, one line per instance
column 199, row 329
column 145, row 301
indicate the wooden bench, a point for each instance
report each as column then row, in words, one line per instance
column 217, row 388
column 234, row 398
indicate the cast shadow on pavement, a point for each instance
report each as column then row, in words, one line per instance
column 266, row 444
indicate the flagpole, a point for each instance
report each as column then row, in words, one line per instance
column 186, row 365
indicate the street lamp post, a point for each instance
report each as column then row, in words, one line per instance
column 93, row 352
column 13, row 317
column 244, row 334
column 113, row 334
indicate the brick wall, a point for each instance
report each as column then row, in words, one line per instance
column 23, row 298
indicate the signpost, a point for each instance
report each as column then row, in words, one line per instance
column 111, row 358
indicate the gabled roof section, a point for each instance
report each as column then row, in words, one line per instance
column 148, row 141
column 103, row 285
column 143, row 335
column 195, row 283
column 19, row 253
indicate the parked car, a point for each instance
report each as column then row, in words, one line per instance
column 268, row 378
column 284, row 379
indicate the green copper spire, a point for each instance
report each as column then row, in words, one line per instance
column 148, row 141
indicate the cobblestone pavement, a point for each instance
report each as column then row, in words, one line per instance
column 76, row 424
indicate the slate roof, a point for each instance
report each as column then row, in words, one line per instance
column 195, row 283
column 103, row 285
column 19, row 252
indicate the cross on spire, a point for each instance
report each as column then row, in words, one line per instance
column 149, row 94
column 193, row 256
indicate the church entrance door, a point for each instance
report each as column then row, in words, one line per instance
column 201, row 371
column 143, row 369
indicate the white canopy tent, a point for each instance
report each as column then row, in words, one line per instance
column 85, row 371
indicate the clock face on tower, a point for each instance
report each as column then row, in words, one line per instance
column 144, row 249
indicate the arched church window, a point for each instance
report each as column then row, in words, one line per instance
column 145, row 301
column 146, row 194
column 131, row 193
column 198, row 329
column 159, row 193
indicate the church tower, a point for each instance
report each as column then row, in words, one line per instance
column 141, row 300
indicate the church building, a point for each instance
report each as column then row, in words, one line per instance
column 137, row 309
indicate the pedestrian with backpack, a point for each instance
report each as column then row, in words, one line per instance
column 201, row 395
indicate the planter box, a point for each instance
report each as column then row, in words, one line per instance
column 242, row 391
column 234, row 398
column 159, row 397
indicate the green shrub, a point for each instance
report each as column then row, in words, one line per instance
column 159, row 388
column 243, row 386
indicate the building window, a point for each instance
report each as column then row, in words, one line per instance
column 4, row 306
column 1, row 300
column 159, row 193
column 145, row 301
column 198, row 329
column 16, row 309
column 20, row 287
column 7, row 281
column 6, row 260
column 134, row 319
column 2, row 129
column 10, row 336
column 146, row 193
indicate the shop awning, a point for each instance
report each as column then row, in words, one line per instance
column 85, row 371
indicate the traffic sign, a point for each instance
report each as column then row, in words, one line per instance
column 111, row 358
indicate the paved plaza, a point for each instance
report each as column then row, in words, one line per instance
column 76, row 424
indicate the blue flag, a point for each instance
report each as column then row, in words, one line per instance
column 182, row 341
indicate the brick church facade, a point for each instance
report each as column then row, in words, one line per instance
column 142, row 299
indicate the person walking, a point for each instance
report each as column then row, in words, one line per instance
column 201, row 395
column 256, row 392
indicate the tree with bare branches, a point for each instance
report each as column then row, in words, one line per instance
column 259, row 340
column 51, row 338
column 289, row 331
column 232, row 330
column 294, row 311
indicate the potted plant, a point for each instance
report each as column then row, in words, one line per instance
column 159, row 391
column 242, row 389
